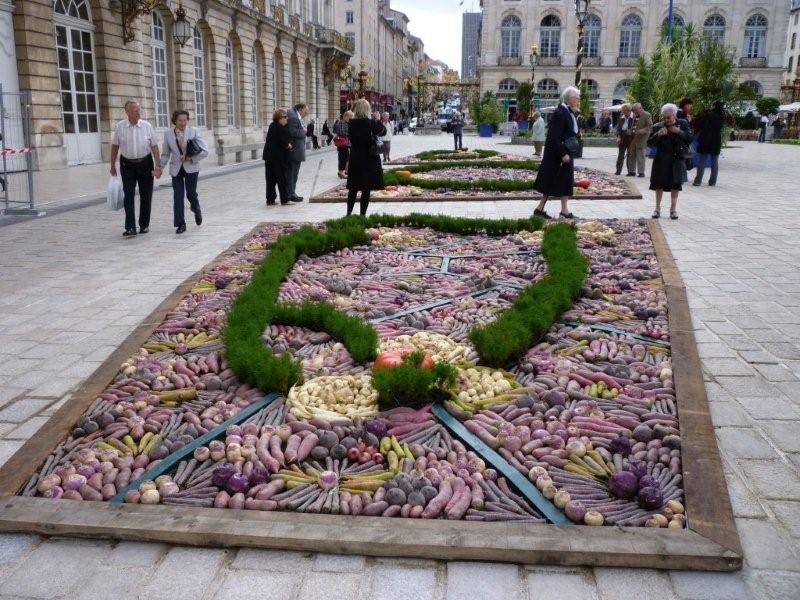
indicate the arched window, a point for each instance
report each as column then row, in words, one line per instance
column 550, row 37
column 714, row 28
column 510, row 30
column 158, row 45
column 507, row 86
column 547, row 89
column 630, row 39
column 755, row 87
column 198, row 64
column 677, row 25
column 592, row 89
column 621, row 89
column 72, row 8
column 230, row 97
column 591, row 35
column 254, row 83
column 755, row 36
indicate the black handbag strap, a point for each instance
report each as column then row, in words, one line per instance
column 177, row 143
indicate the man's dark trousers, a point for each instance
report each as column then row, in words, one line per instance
column 134, row 173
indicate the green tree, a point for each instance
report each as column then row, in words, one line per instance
column 717, row 80
column 524, row 99
column 586, row 107
column 767, row 105
column 488, row 110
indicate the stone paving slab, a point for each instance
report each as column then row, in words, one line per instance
column 741, row 276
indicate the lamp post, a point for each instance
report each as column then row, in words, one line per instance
column 534, row 60
column 181, row 28
column 581, row 12
column 420, row 92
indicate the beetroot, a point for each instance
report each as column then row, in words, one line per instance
column 623, row 484
column 222, row 474
column 650, row 498
column 620, row 445
column 377, row 427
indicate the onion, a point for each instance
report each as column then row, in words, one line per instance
column 328, row 480
column 150, row 497
column 593, row 518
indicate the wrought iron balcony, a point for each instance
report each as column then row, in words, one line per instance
column 334, row 38
column 757, row 62
column 549, row 61
column 591, row 61
column 509, row 61
column 627, row 61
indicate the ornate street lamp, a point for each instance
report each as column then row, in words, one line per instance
column 581, row 12
column 130, row 10
column 181, row 29
column 420, row 93
column 534, row 60
column 362, row 80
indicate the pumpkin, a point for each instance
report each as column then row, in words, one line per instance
column 373, row 234
column 403, row 173
column 583, row 183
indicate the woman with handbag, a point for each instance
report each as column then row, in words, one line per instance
column 556, row 175
column 341, row 139
column 183, row 150
column 364, row 171
column 671, row 138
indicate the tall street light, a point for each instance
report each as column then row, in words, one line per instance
column 534, row 60
column 581, row 12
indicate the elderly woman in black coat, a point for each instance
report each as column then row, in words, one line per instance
column 671, row 138
column 276, row 157
column 556, row 174
column 364, row 171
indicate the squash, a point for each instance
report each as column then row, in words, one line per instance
column 583, row 183
column 403, row 173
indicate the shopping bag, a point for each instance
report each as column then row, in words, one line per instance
column 115, row 198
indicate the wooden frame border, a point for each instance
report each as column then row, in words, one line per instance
column 709, row 543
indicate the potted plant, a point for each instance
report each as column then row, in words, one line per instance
column 524, row 96
column 487, row 114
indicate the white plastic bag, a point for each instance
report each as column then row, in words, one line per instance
column 115, row 197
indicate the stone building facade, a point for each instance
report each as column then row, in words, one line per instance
column 617, row 33
column 244, row 59
column 792, row 58
column 470, row 31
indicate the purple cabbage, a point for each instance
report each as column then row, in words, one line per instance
column 237, row 483
column 377, row 427
column 623, row 484
column 620, row 445
column 222, row 474
column 258, row 476
column 650, row 498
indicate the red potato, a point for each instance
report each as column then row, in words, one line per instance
column 251, row 504
column 376, row 509
column 291, row 448
column 306, row 446
column 437, row 505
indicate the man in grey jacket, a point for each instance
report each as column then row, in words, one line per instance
column 297, row 134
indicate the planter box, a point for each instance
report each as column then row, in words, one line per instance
column 485, row 131
column 522, row 125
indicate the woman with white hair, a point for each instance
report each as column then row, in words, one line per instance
column 556, row 174
column 364, row 171
column 671, row 138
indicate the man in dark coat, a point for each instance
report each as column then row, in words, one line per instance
column 276, row 157
column 556, row 175
column 298, row 155
column 709, row 143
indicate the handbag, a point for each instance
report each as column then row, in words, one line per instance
column 341, row 141
column 192, row 146
column 572, row 145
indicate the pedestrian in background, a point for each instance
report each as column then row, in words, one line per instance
column 556, row 174
column 386, row 146
column 457, row 127
column 276, row 156
column 671, row 138
column 762, row 134
column 685, row 113
column 364, row 171
column 605, row 123
column 624, row 131
column 135, row 142
column 777, row 127
column 709, row 143
column 310, row 134
column 642, row 124
column 341, row 139
column 298, row 155
column 538, row 134
column 183, row 150
column 326, row 133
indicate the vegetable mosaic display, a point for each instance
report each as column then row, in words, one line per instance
column 551, row 346
column 499, row 178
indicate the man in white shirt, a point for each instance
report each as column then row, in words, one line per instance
column 135, row 142
column 762, row 135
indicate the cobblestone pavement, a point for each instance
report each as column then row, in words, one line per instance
column 72, row 289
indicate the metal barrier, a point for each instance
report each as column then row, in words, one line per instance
column 16, row 161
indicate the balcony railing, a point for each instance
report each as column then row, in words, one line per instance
column 277, row 13
column 591, row 61
column 509, row 61
column 334, row 38
column 549, row 61
column 627, row 61
column 758, row 62
column 294, row 22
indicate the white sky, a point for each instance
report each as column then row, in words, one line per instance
column 438, row 23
